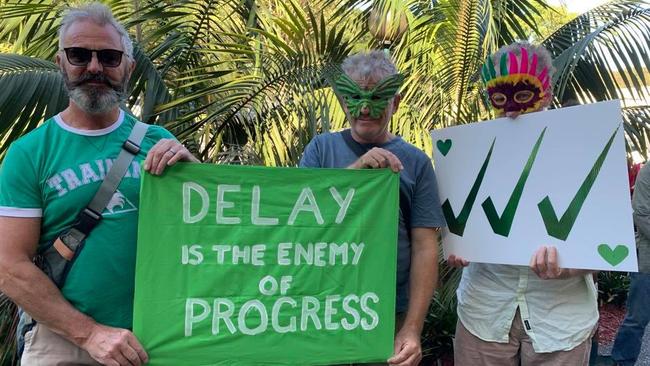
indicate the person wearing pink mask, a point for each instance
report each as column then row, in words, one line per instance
column 540, row 315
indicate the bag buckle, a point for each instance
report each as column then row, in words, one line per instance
column 87, row 220
column 131, row 147
column 67, row 243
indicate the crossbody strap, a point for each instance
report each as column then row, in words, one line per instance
column 130, row 149
column 67, row 244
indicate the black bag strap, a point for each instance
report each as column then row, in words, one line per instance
column 404, row 202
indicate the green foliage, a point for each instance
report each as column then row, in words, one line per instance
column 8, row 324
column 603, row 55
column 550, row 19
column 32, row 87
column 439, row 329
column 229, row 75
column 440, row 323
column 613, row 287
column 219, row 74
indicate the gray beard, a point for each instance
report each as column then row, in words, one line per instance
column 94, row 100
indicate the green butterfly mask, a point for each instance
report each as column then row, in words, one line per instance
column 375, row 99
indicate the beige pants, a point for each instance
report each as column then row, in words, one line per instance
column 470, row 350
column 46, row 348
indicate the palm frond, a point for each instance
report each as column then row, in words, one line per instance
column 509, row 18
column 636, row 121
column 603, row 53
column 271, row 82
column 8, row 326
column 32, row 89
column 443, row 52
column 32, row 26
column 148, row 89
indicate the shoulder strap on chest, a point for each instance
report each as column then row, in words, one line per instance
column 68, row 243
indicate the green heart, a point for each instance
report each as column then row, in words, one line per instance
column 444, row 146
column 613, row 257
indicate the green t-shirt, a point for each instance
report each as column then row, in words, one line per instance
column 53, row 172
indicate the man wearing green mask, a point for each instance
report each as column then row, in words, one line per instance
column 374, row 100
column 368, row 91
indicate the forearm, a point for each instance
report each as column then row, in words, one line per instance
column 423, row 281
column 35, row 293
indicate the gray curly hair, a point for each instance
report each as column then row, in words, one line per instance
column 372, row 65
column 99, row 14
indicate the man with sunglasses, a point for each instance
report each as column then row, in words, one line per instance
column 51, row 174
column 536, row 315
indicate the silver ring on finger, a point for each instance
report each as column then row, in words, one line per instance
column 171, row 151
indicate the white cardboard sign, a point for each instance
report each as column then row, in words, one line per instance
column 556, row 178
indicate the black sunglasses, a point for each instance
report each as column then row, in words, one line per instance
column 79, row 56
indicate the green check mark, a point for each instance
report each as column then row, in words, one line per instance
column 456, row 224
column 501, row 225
column 561, row 228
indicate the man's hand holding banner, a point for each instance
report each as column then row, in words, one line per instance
column 250, row 265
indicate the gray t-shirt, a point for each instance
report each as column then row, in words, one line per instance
column 417, row 180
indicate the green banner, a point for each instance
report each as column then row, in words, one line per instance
column 242, row 265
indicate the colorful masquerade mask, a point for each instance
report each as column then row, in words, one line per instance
column 375, row 99
column 518, row 88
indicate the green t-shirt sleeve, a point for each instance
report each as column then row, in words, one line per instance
column 159, row 132
column 20, row 194
column 154, row 134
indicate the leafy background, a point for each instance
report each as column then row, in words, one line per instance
column 244, row 81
